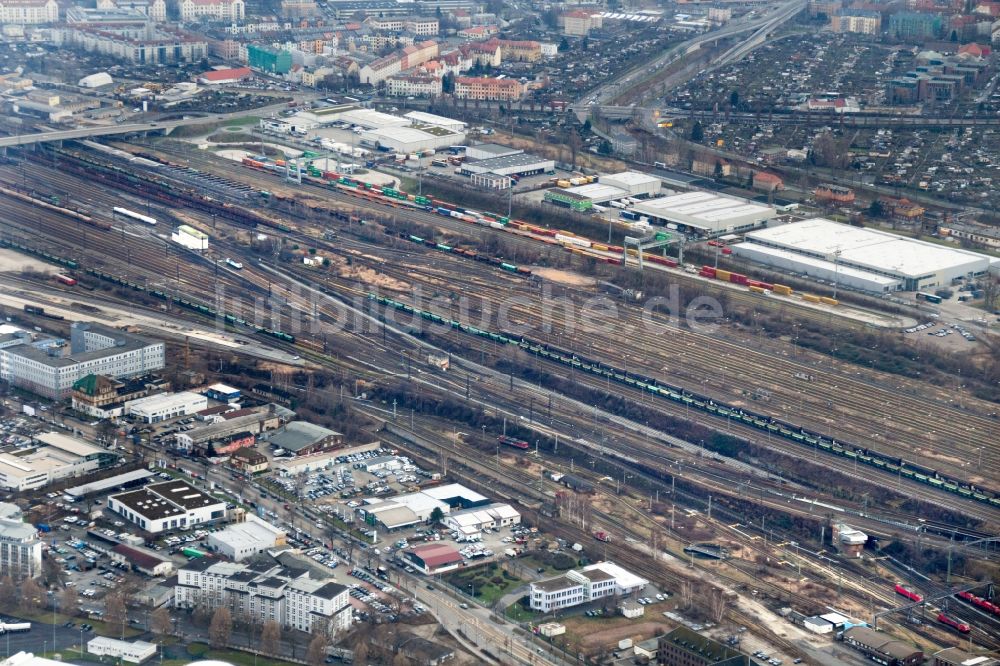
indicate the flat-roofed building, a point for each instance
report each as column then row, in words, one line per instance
column 635, row 183
column 705, row 214
column 134, row 652
column 266, row 592
column 245, row 539
column 51, row 370
column 156, row 408
column 54, row 456
column 826, row 249
column 164, row 506
column 595, row 581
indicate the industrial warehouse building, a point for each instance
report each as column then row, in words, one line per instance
column 583, row 197
column 156, row 408
column 634, row 183
column 705, row 214
column 410, row 140
column 164, row 506
column 864, row 259
column 369, row 119
column 488, row 151
column 240, row 541
column 882, row 648
column 519, row 164
column 423, row 118
column 54, row 456
column 405, row 511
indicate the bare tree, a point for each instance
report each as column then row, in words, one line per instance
column 687, row 594
column 270, row 637
column 160, row 622
column 316, row 654
column 68, row 600
column 8, row 594
column 32, row 596
column 991, row 292
column 116, row 610
column 221, row 627
column 718, row 604
column 361, row 652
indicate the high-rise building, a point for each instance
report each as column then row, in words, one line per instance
column 20, row 550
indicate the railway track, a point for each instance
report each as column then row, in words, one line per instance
column 466, row 286
column 882, row 432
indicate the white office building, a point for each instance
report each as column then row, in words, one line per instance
column 20, row 550
column 133, row 653
column 165, row 506
column 156, row 408
column 592, row 582
column 265, row 592
column 49, row 369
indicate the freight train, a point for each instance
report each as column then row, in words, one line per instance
column 693, row 400
column 200, row 308
column 471, row 254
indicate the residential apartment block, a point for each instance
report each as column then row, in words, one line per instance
column 487, row 88
column 28, row 12
column 265, row 592
column 222, row 10
column 860, row 21
column 413, row 86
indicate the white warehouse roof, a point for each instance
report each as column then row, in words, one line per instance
column 432, row 119
column 598, row 192
column 706, row 211
column 372, row 119
column 634, row 182
column 820, row 269
column 870, row 248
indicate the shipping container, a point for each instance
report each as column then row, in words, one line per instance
column 810, row 298
column 829, row 301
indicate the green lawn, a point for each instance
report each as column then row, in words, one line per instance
column 518, row 613
column 482, row 580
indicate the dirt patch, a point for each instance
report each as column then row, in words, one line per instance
column 11, row 261
column 563, row 277
column 625, row 628
column 369, row 276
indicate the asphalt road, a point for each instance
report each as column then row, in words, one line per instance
column 42, row 638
